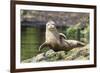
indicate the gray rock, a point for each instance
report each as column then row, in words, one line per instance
column 61, row 54
column 28, row 60
column 39, row 57
column 51, row 55
column 78, row 53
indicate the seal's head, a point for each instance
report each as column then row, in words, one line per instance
column 50, row 25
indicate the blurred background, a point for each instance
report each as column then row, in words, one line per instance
column 33, row 23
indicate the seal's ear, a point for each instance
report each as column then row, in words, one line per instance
column 62, row 35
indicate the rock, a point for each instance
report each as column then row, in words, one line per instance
column 39, row 57
column 29, row 60
column 51, row 55
column 81, row 58
column 84, row 51
column 79, row 53
column 61, row 54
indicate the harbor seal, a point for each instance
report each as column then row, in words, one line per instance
column 57, row 41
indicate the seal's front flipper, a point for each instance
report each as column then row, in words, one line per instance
column 42, row 46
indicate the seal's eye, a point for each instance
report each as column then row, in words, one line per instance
column 48, row 24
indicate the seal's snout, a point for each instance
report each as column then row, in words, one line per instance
column 51, row 27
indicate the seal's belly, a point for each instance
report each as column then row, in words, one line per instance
column 52, row 40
